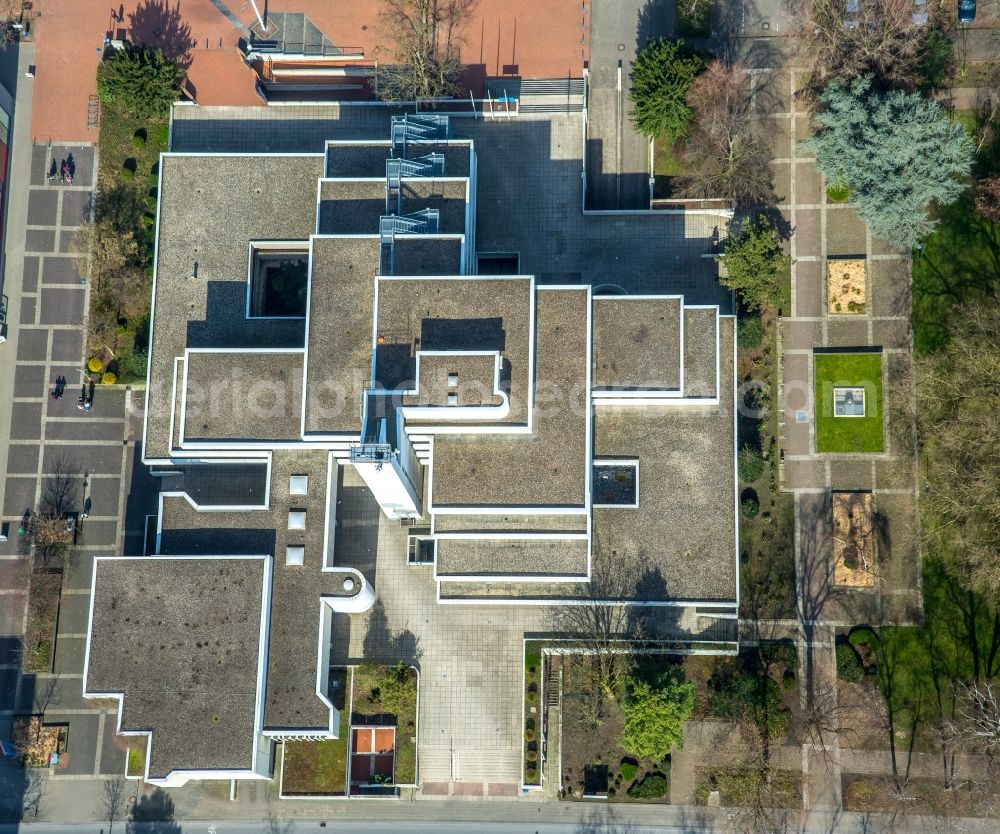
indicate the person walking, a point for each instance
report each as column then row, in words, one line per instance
column 83, row 397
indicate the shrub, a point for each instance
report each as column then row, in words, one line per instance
column 750, row 507
column 108, row 378
column 126, row 174
column 138, row 142
column 611, row 792
column 849, row 666
column 628, row 771
column 788, row 680
column 529, row 735
column 530, row 774
column 750, row 333
column 652, row 787
column 838, row 192
column 750, row 464
column 160, row 135
column 95, row 365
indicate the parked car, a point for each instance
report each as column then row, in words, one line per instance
column 966, row 11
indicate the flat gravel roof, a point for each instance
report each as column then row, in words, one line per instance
column 180, row 639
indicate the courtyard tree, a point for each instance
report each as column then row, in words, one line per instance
column 116, row 795
column 141, row 79
column 958, row 423
column 606, row 630
column 897, row 152
column 427, row 39
column 753, row 261
column 878, row 37
column 655, row 713
column 727, row 153
column 661, row 79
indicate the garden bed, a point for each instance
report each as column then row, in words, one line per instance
column 128, row 185
column 534, row 720
column 846, row 286
column 594, row 764
column 386, row 696
column 43, row 615
column 851, row 371
column 135, row 761
column 853, row 539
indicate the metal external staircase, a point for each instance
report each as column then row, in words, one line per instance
column 413, row 127
column 424, row 222
column 429, row 165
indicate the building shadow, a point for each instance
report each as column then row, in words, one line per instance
column 155, row 23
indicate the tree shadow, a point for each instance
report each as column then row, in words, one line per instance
column 155, row 23
column 382, row 644
column 657, row 19
column 153, row 807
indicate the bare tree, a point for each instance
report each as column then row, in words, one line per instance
column 427, row 35
column 727, row 149
column 975, row 728
column 958, row 422
column 604, row 628
column 879, row 38
column 115, row 798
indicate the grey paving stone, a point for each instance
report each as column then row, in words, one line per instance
column 106, row 404
column 40, row 160
column 99, row 459
column 40, row 240
column 29, row 381
column 42, row 207
column 104, row 496
column 8, row 685
column 79, row 571
column 26, row 421
column 29, row 283
column 782, row 182
column 805, row 474
column 798, row 335
column 74, row 613
column 22, row 459
column 851, row 473
column 807, row 240
column 12, row 613
column 32, row 343
column 891, row 333
column 69, row 653
column 99, row 533
column 83, row 739
column 112, row 755
column 19, row 495
column 82, row 429
column 808, row 183
column 67, row 346
column 845, row 233
column 843, row 331
column 66, row 237
column 28, row 310
column 81, row 162
column 809, row 288
column 62, row 306
column 75, row 207
column 60, row 270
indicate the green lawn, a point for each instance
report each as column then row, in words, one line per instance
column 389, row 693
column 666, row 158
column 849, row 434
column 136, row 765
